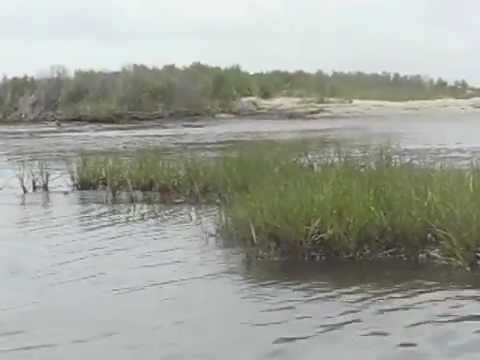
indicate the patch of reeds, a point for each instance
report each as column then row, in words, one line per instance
column 283, row 204
column 190, row 178
column 33, row 176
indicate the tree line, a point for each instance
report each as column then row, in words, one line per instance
column 200, row 87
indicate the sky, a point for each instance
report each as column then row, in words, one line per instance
column 427, row 37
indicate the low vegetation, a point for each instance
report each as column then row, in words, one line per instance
column 33, row 176
column 280, row 202
column 199, row 89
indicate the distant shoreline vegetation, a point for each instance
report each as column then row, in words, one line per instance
column 201, row 89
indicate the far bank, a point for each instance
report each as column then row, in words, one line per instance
column 138, row 93
column 281, row 108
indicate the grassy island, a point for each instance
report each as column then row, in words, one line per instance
column 283, row 202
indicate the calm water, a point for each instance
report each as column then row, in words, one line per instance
column 81, row 279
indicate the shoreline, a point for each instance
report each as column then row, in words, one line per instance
column 280, row 108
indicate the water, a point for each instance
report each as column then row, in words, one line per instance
column 81, row 279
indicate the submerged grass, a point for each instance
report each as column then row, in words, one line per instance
column 35, row 173
column 281, row 204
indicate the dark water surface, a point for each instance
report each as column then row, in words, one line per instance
column 81, row 279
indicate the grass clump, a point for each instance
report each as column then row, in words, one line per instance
column 335, row 208
column 35, row 173
column 193, row 178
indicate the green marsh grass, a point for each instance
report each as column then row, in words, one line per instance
column 336, row 207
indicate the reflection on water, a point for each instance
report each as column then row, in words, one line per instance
column 81, row 279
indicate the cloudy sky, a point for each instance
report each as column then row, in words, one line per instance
column 434, row 37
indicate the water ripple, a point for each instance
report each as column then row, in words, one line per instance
column 12, row 333
column 28, row 348
column 73, row 260
column 90, row 339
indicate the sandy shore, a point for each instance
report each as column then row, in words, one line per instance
column 310, row 108
column 277, row 108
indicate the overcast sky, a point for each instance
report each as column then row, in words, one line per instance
column 434, row 37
